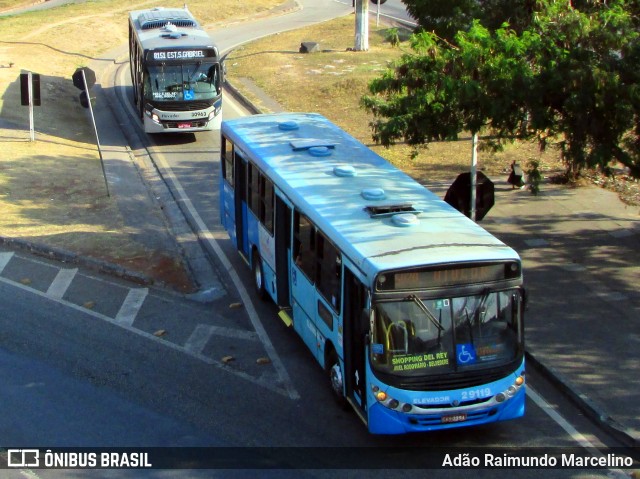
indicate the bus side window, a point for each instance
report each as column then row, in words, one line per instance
column 266, row 203
column 254, row 189
column 227, row 163
column 329, row 271
column 304, row 245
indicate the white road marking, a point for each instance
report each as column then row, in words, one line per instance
column 199, row 338
column 131, row 306
column 204, row 233
column 61, row 283
column 204, row 332
column 271, row 385
column 569, row 429
column 4, row 260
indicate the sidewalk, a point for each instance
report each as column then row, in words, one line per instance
column 580, row 249
column 581, row 256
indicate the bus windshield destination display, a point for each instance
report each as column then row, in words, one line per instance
column 179, row 54
column 444, row 277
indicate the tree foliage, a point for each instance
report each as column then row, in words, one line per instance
column 446, row 18
column 572, row 77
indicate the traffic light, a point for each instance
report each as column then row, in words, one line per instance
column 35, row 89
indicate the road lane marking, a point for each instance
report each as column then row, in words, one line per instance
column 205, row 234
column 203, row 333
column 131, row 306
column 569, row 429
column 61, row 283
column 263, row 381
column 4, row 260
column 199, row 338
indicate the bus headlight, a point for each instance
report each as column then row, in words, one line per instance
column 215, row 112
column 511, row 390
column 390, row 402
column 155, row 118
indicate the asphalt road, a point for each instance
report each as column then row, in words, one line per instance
column 83, row 376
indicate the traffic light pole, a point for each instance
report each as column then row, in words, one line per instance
column 95, row 129
column 474, row 170
column 32, row 130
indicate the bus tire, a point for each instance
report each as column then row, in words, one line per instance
column 336, row 379
column 258, row 276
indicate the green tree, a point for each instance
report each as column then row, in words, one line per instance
column 446, row 18
column 572, row 77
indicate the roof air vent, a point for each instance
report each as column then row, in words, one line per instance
column 344, row 171
column 373, row 194
column 170, row 27
column 405, row 219
column 288, row 125
column 319, row 151
column 390, row 210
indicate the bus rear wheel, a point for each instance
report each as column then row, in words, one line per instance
column 258, row 276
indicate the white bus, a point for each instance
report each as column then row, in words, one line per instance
column 176, row 72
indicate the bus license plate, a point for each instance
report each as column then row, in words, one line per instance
column 454, row 418
column 184, row 125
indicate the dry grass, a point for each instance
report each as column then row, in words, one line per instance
column 332, row 82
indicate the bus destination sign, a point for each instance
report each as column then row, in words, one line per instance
column 164, row 55
column 443, row 277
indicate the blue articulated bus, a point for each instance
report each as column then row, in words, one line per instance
column 414, row 311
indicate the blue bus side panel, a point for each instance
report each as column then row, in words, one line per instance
column 228, row 213
column 252, row 232
column 303, row 325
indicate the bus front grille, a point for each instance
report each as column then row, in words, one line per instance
column 453, row 381
column 185, row 105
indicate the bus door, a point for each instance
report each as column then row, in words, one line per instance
column 240, row 203
column 356, row 324
column 303, row 271
column 283, row 251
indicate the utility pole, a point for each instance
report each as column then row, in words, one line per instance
column 362, row 25
column 474, row 173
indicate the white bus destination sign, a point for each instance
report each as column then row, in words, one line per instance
column 163, row 55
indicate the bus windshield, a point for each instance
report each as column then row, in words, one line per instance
column 183, row 82
column 416, row 337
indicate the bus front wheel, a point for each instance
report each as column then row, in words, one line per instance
column 258, row 276
column 336, row 380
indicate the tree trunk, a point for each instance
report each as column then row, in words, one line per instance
column 362, row 25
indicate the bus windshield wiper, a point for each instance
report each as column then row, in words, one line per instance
column 426, row 311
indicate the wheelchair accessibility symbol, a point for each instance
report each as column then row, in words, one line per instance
column 466, row 354
column 189, row 95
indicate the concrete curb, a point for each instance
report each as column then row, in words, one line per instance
column 65, row 256
column 591, row 409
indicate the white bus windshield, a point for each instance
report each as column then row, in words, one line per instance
column 417, row 337
column 183, row 82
